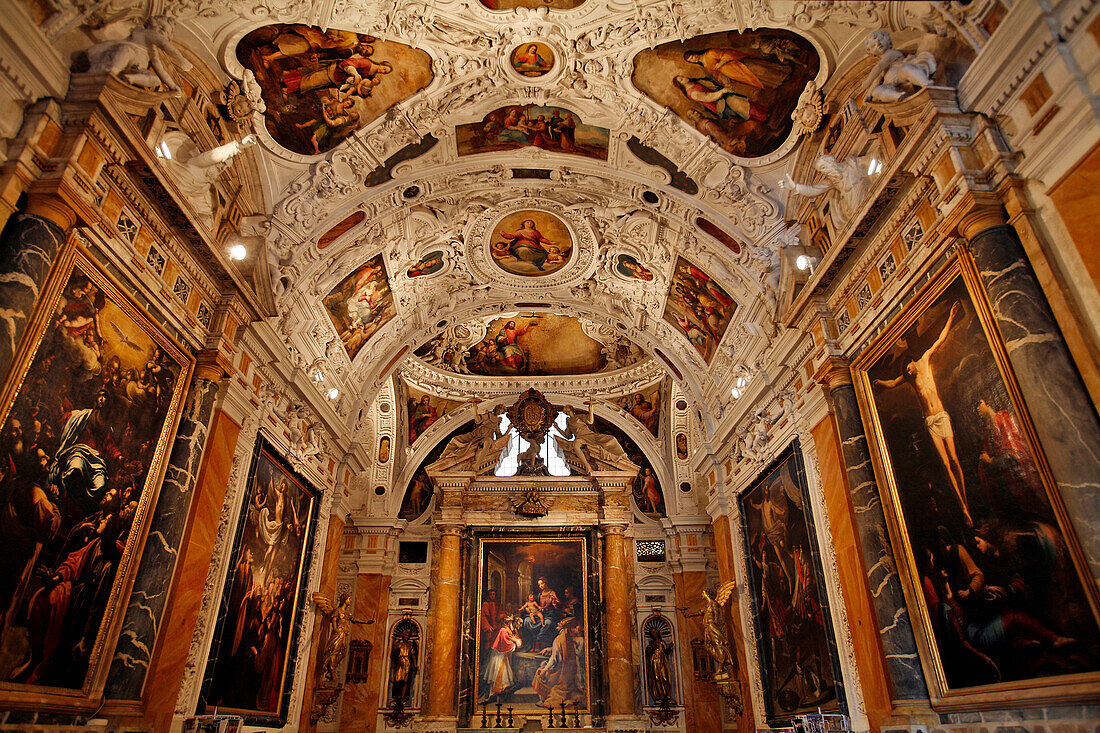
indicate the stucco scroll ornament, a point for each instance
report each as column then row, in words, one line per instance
column 714, row 640
column 809, row 110
column 243, row 99
column 846, row 181
column 137, row 58
column 897, row 75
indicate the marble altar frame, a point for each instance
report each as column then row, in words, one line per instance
column 1031, row 691
column 264, row 448
column 74, row 258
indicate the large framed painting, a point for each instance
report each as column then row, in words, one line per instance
column 533, row 623
column 92, row 402
column 1003, row 605
column 251, row 660
column 798, row 657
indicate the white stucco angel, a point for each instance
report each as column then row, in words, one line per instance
column 897, row 75
column 195, row 172
column 846, row 181
column 137, row 58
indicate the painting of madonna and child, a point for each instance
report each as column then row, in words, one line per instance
column 320, row 86
column 989, row 563
column 532, row 630
column 739, row 89
column 530, row 125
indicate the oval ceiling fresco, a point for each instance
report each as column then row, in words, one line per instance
column 739, row 89
column 321, row 86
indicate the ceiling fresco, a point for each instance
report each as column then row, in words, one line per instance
column 320, row 86
column 698, row 307
column 547, row 127
column 739, row 89
column 360, row 304
column 528, row 344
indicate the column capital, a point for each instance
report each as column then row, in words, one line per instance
column 613, row 528
column 450, row 528
column 51, row 207
column 980, row 219
column 210, row 365
column 834, row 372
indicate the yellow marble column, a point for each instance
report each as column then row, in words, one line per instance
column 444, row 650
column 616, row 594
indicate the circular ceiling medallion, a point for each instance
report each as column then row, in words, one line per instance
column 531, row 243
column 532, row 60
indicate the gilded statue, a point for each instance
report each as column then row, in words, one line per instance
column 338, row 619
column 713, row 636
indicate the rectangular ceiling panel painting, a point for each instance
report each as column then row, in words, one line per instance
column 698, row 307
column 361, row 304
column 530, row 125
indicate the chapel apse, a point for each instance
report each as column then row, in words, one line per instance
column 739, row 89
column 320, row 86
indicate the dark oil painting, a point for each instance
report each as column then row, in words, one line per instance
column 793, row 630
column 698, row 307
column 361, row 304
column 739, row 89
column 1001, row 595
column 250, row 661
column 320, row 86
column 532, row 629
column 530, row 125
column 648, row 495
column 81, row 454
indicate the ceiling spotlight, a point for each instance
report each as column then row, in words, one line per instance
column 333, row 393
column 237, row 252
column 736, row 392
column 318, row 377
column 163, row 151
column 802, row 263
column 874, row 167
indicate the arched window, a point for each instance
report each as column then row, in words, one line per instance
column 550, row 453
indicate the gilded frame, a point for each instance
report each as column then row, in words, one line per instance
column 1048, row 690
column 266, row 451
column 73, row 258
column 483, row 583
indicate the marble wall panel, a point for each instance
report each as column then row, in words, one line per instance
column 329, row 567
column 702, row 711
column 359, row 712
column 723, row 545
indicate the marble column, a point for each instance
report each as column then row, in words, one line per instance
column 158, row 559
column 1064, row 417
column 28, row 246
column 440, row 704
column 616, row 597
column 895, row 630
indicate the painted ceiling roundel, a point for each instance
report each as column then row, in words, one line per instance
column 320, row 86
column 737, row 88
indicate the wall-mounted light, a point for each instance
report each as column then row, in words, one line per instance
column 163, row 151
column 874, row 167
column 333, row 393
column 738, row 389
column 238, row 252
column 802, row 263
column 318, row 376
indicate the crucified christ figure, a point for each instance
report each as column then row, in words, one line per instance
column 918, row 374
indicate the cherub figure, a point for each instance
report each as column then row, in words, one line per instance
column 896, row 75
column 140, row 53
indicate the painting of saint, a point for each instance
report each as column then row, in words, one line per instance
column 645, row 407
column 429, row 264
column 424, row 410
column 793, row 629
column 532, row 59
column 418, row 494
column 994, row 584
column 256, row 635
column 737, row 88
column 681, row 446
column 646, row 489
column 698, row 307
column 542, row 126
column 320, row 86
column 527, row 345
column 361, row 304
column 532, row 630
column 384, row 449
column 629, row 267
column 79, row 471
column 531, row 243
